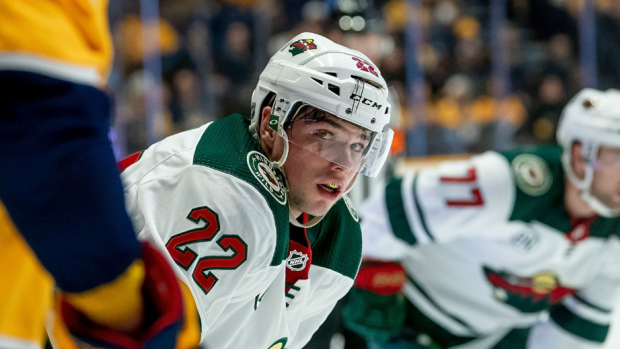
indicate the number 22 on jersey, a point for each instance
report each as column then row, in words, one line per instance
column 184, row 256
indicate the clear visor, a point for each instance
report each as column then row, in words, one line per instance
column 340, row 142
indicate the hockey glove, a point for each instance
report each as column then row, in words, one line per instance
column 162, row 319
column 376, row 307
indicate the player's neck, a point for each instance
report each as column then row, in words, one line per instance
column 295, row 212
column 574, row 203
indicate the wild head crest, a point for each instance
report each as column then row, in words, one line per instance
column 301, row 46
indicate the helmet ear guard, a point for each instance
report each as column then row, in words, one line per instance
column 266, row 99
column 278, row 113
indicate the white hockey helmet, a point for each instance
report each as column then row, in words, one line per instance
column 592, row 118
column 313, row 70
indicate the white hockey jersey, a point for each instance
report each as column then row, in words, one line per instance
column 211, row 201
column 488, row 246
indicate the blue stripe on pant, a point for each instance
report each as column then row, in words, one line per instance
column 59, row 180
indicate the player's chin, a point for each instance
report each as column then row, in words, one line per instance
column 320, row 207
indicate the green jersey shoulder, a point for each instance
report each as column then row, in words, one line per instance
column 540, row 182
column 539, row 185
column 227, row 146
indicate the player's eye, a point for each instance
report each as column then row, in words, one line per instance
column 358, row 147
column 324, row 134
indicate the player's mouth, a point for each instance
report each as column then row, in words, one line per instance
column 330, row 190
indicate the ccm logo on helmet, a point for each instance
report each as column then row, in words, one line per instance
column 357, row 98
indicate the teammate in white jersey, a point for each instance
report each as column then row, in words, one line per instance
column 253, row 212
column 506, row 250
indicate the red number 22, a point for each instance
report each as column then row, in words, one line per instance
column 184, row 256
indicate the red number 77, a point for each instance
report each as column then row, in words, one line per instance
column 471, row 177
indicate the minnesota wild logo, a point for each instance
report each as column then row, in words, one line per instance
column 352, row 210
column 528, row 294
column 532, row 174
column 261, row 168
column 301, row 46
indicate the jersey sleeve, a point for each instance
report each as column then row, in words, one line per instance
column 380, row 241
column 459, row 198
column 583, row 320
column 217, row 229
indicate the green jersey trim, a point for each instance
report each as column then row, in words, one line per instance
column 577, row 325
column 396, row 212
column 593, row 306
column 604, row 227
column 225, row 146
column 395, row 204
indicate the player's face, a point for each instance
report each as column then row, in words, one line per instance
column 606, row 180
column 316, row 183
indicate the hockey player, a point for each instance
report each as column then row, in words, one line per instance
column 253, row 212
column 506, row 250
column 61, row 188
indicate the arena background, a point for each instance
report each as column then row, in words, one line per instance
column 465, row 76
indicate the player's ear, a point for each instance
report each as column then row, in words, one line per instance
column 576, row 159
column 267, row 135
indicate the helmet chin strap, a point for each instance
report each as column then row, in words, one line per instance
column 280, row 166
column 280, row 163
column 600, row 208
column 586, row 195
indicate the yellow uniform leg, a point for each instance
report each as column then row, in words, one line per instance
column 26, row 290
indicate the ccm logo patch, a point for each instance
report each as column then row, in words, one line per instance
column 358, row 98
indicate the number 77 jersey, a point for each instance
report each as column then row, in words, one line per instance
column 212, row 202
column 456, row 199
column 488, row 245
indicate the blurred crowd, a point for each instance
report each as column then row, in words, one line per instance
column 213, row 51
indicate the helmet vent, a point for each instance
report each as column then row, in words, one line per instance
column 334, row 89
column 387, row 110
column 332, row 74
column 320, row 82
